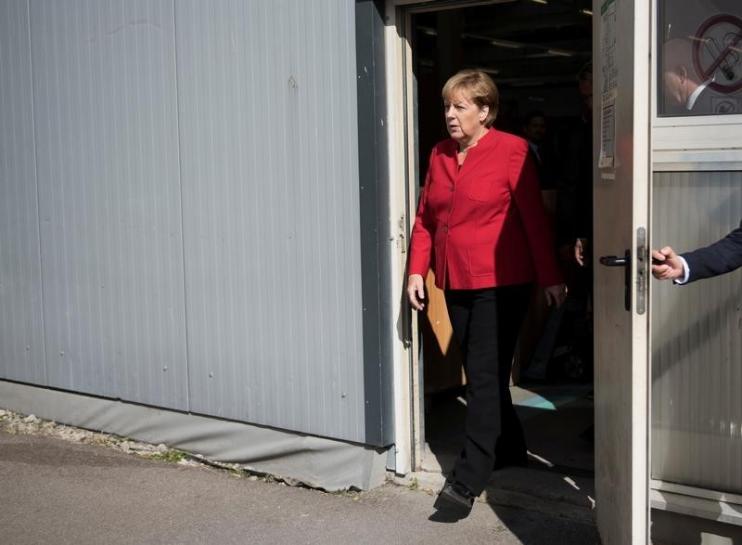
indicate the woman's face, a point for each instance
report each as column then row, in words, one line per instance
column 464, row 119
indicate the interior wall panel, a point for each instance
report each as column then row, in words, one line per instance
column 267, row 102
column 697, row 338
column 22, row 355
column 109, row 198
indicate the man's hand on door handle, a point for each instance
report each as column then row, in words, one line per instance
column 666, row 264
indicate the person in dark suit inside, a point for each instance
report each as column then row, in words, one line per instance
column 574, row 226
column 481, row 227
column 536, row 132
column 685, row 92
column 575, row 198
column 535, row 129
column 720, row 257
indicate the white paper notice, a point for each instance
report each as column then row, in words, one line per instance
column 609, row 84
column 608, row 46
column 607, row 130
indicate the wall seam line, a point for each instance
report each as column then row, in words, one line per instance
column 182, row 214
column 38, row 194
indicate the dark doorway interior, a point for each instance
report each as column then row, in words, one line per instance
column 536, row 52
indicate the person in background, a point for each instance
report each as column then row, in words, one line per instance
column 575, row 214
column 535, row 130
column 539, row 332
column 721, row 257
column 481, row 227
column 575, row 234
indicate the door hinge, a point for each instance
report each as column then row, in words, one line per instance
column 402, row 235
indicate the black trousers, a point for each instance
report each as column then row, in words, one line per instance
column 486, row 323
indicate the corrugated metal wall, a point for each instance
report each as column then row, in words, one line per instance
column 270, row 192
column 196, row 219
column 697, row 339
column 109, row 198
column 21, row 318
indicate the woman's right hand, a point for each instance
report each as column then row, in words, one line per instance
column 416, row 291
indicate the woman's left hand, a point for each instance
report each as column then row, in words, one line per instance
column 556, row 295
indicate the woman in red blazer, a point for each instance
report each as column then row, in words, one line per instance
column 481, row 226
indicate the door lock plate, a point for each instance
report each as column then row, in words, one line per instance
column 642, row 270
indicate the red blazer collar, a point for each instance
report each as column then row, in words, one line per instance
column 485, row 145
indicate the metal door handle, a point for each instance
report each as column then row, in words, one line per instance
column 625, row 261
column 615, row 261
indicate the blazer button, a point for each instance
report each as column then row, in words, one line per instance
column 445, row 228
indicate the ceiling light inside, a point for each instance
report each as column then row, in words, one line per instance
column 504, row 43
column 587, row 12
column 559, row 53
column 540, row 1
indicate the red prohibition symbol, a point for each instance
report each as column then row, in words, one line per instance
column 717, row 49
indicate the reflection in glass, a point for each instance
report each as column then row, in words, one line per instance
column 700, row 60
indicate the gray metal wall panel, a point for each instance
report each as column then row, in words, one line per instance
column 109, row 197
column 21, row 323
column 697, row 339
column 268, row 124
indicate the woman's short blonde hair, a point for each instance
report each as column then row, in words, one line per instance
column 477, row 87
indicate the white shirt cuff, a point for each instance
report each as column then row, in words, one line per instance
column 686, row 272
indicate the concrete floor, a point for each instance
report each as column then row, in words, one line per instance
column 554, row 418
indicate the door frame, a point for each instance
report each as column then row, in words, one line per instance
column 403, row 172
column 402, row 153
column 396, row 50
column 409, row 424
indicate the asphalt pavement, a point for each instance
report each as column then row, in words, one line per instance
column 57, row 492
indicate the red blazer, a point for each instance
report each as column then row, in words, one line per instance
column 483, row 225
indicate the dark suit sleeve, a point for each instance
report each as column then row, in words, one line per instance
column 720, row 257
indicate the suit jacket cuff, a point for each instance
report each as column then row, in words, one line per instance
column 686, row 272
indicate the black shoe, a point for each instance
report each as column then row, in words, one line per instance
column 455, row 500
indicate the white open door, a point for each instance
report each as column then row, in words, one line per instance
column 621, row 216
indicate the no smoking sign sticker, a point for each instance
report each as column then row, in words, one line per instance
column 717, row 52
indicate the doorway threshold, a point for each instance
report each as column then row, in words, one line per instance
column 557, row 421
column 552, row 491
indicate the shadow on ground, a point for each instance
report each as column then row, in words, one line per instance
column 558, row 482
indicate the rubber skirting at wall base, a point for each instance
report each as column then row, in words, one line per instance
column 317, row 462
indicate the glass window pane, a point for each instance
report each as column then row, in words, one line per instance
column 700, row 57
column 696, row 340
